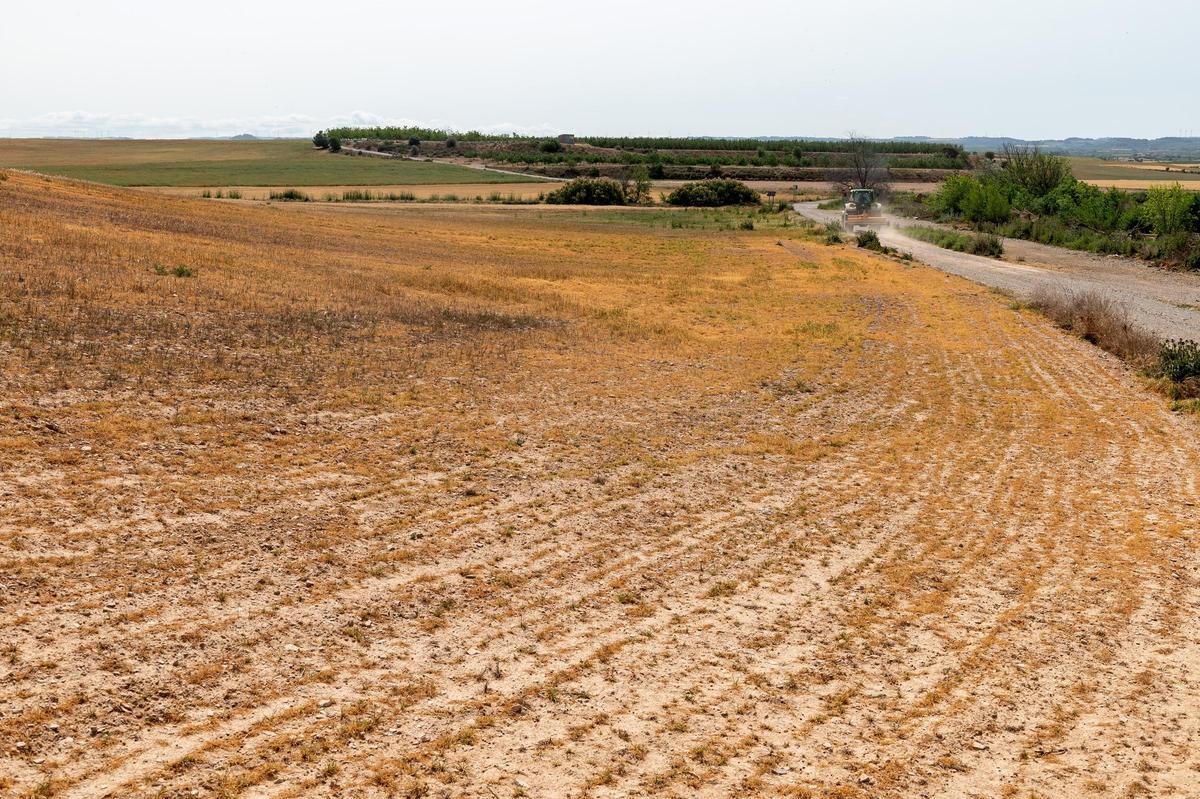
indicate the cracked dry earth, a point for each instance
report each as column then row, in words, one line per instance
column 494, row 502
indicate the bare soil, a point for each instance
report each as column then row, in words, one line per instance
column 489, row 502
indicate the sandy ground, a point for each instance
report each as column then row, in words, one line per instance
column 1167, row 303
column 480, row 502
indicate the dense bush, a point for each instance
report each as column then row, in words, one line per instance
column 551, row 146
column 869, row 240
column 320, row 140
column 713, row 192
column 335, row 144
column 1179, row 360
column 588, row 191
column 1169, row 209
column 1162, row 224
column 972, row 199
column 1032, row 171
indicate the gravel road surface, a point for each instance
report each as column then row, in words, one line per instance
column 1167, row 303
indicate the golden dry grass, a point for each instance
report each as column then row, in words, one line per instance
column 442, row 501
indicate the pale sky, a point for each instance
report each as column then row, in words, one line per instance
column 1047, row 69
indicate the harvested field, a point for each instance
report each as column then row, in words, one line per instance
column 412, row 501
column 421, row 192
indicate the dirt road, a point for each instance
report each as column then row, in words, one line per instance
column 1167, row 303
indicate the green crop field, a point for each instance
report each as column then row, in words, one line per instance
column 226, row 163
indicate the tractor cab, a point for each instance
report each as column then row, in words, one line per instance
column 862, row 198
column 861, row 209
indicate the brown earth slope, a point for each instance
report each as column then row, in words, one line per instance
column 508, row 502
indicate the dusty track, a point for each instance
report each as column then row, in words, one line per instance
column 750, row 520
column 1167, row 303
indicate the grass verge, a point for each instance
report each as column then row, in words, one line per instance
column 973, row 243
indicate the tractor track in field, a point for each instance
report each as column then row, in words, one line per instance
column 836, row 526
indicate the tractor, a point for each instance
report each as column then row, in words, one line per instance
column 862, row 210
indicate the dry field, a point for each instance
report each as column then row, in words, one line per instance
column 465, row 191
column 492, row 502
column 1133, row 175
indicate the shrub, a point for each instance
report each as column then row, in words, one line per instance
column 1167, row 209
column 413, row 141
column 713, row 192
column 234, row 194
column 320, row 140
column 1030, row 170
column 588, row 191
column 551, row 146
column 291, row 195
column 869, row 240
column 1101, row 320
column 335, row 144
column 638, row 190
column 451, row 144
column 985, row 203
column 1179, row 360
column 948, row 199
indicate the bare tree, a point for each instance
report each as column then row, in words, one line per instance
column 865, row 167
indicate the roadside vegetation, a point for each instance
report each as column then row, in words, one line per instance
column 973, row 243
column 1028, row 194
column 1101, row 320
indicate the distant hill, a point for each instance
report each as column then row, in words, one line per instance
column 244, row 137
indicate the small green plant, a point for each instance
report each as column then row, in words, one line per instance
column 747, row 224
column 183, row 271
column 290, row 195
column 869, row 240
column 233, row 194
column 1179, row 361
column 720, row 589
